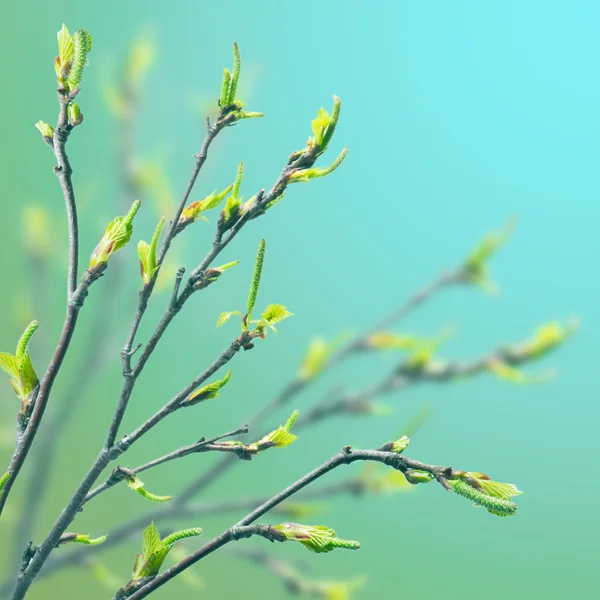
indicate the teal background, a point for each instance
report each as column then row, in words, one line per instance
column 457, row 115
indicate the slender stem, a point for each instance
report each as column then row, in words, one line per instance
column 130, row 375
column 201, row 446
column 25, row 439
column 64, row 173
column 345, row 457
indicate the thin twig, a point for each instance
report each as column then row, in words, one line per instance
column 345, row 457
column 200, row 446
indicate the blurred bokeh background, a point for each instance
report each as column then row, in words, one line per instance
column 457, row 115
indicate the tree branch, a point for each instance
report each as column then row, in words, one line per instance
column 345, row 457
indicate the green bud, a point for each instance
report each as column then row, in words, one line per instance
column 74, row 114
column 399, row 446
column 147, row 254
column 46, row 130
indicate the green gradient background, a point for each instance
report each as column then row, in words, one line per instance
column 457, row 114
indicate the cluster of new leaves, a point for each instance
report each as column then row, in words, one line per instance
column 19, row 367
column 316, row 538
column 228, row 101
column 273, row 314
column 278, row 438
column 154, row 552
column 482, row 491
column 69, row 65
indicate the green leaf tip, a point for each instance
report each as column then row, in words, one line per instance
column 476, row 265
column 147, row 254
column 208, row 391
column 3, row 481
column 155, row 551
column 258, row 267
column 278, row 438
column 117, row 235
column 137, row 485
column 315, row 538
column 230, row 106
column 193, row 211
column 273, row 314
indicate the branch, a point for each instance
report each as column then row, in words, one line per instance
column 203, row 445
column 40, row 400
column 130, row 375
column 240, row 529
column 406, row 375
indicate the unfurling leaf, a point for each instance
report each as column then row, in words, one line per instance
column 20, row 368
column 547, row 338
column 273, row 314
column 194, row 210
column 476, row 265
column 323, row 127
column 147, row 254
column 74, row 114
column 399, row 446
column 316, row 358
column 116, row 236
column 46, row 130
column 225, row 316
column 208, row 391
column 136, row 484
column 211, row 275
column 278, row 438
column 315, row 538
column 155, row 551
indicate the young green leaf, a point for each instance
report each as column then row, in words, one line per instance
column 117, row 234
column 19, row 367
column 147, row 254
column 155, row 551
column 273, row 314
column 194, row 210
column 225, row 316
column 476, row 265
column 278, row 438
column 208, row 391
